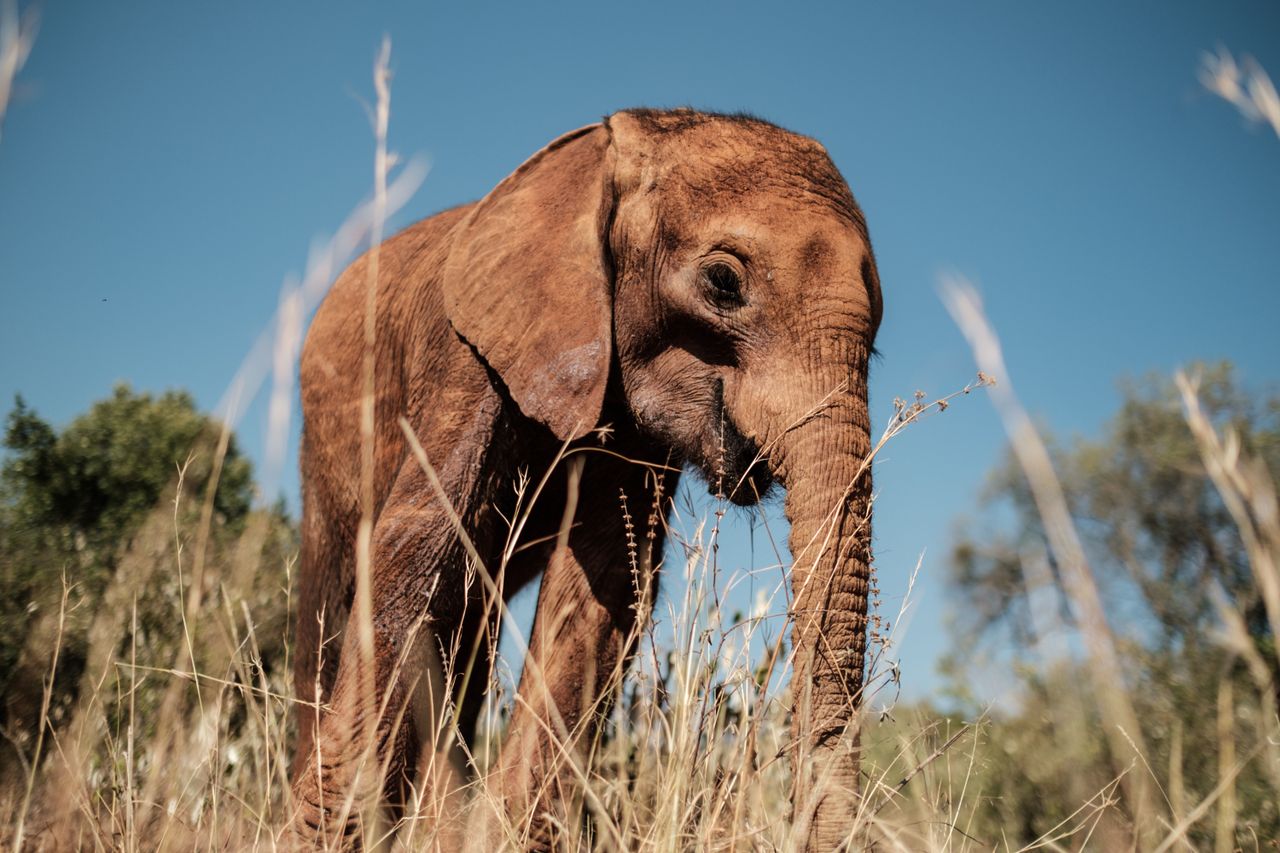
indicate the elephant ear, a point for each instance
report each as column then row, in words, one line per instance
column 528, row 282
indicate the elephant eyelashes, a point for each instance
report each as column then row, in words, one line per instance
column 723, row 284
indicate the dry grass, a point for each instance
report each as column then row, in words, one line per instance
column 1245, row 85
column 693, row 756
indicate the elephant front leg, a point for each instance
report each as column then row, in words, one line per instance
column 584, row 631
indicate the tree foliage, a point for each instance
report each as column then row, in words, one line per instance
column 1166, row 555
column 110, row 508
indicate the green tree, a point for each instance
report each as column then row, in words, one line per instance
column 1164, row 551
column 97, row 505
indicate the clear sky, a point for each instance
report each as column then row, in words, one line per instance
column 165, row 167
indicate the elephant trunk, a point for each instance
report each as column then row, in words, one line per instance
column 827, row 475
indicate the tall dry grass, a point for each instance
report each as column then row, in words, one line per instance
column 185, row 745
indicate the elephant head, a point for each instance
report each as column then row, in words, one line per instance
column 711, row 278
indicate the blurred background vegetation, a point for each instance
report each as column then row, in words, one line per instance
column 113, row 530
column 1198, row 654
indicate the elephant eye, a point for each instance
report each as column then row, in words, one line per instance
column 723, row 284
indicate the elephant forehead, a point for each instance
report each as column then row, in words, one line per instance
column 768, row 206
column 690, row 157
column 789, row 232
column 762, row 179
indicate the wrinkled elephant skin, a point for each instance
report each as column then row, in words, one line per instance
column 701, row 285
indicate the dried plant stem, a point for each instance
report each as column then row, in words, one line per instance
column 1247, row 491
column 362, row 604
column 1224, row 840
column 1249, row 90
column 17, row 34
column 1178, row 835
column 1078, row 584
column 43, row 723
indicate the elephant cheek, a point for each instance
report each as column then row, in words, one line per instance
column 666, row 405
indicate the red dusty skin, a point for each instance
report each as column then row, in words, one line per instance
column 828, row 481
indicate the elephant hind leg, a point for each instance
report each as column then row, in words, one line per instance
column 325, row 587
column 390, row 736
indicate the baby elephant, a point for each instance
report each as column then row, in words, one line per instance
column 697, row 288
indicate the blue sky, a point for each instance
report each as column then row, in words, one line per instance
column 165, row 166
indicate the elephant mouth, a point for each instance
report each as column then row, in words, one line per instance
column 734, row 466
column 746, row 477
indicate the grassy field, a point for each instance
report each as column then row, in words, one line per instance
column 180, row 736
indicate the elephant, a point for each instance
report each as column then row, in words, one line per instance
column 659, row 292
